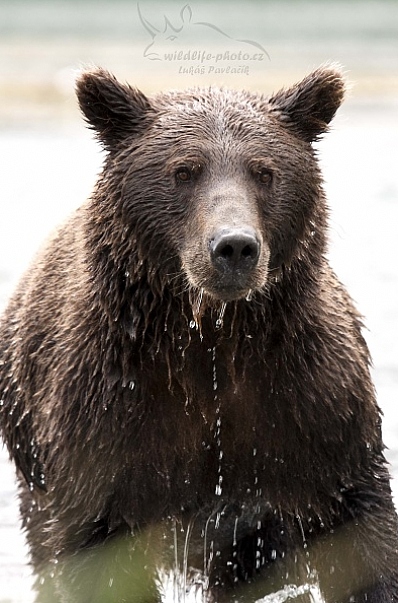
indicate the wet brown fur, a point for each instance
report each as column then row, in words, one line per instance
column 115, row 407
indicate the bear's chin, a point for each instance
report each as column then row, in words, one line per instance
column 229, row 294
column 235, row 286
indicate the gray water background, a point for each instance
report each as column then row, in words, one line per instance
column 49, row 162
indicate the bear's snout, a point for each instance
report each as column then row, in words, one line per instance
column 230, row 259
column 235, row 250
column 237, row 261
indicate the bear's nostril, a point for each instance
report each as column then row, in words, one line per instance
column 227, row 251
column 248, row 251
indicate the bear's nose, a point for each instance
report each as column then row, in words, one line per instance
column 235, row 249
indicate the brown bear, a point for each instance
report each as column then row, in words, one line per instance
column 184, row 385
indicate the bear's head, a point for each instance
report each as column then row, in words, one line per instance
column 216, row 191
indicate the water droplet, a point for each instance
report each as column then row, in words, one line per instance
column 234, row 542
column 249, row 295
column 214, row 370
column 193, row 324
column 217, row 522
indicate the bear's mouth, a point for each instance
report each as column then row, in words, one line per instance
column 202, row 299
column 229, row 293
column 225, row 283
column 216, row 289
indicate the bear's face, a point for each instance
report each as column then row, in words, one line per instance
column 221, row 187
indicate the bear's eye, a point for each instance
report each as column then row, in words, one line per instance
column 264, row 175
column 183, row 174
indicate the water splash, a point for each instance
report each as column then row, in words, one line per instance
column 176, row 572
column 166, row 580
column 185, row 558
column 206, row 559
column 291, row 591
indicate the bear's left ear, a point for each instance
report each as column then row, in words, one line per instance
column 112, row 109
column 309, row 106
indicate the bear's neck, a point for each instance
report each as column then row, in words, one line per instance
column 152, row 324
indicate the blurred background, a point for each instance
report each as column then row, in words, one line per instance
column 49, row 161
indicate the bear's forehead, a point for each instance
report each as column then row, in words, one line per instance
column 212, row 104
column 211, row 96
column 213, row 114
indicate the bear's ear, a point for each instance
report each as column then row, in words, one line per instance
column 113, row 110
column 309, row 106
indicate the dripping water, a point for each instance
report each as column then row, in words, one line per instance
column 218, row 489
column 217, row 433
column 185, row 558
column 176, row 569
column 301, row 530
column 206, row 560
column 214, row 373
column 220, row 319
column 259, row 560
column 235, row 550
column 196, row 322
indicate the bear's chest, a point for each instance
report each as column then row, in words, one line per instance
column 217, row 437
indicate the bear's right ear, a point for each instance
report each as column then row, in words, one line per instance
column 113, row 110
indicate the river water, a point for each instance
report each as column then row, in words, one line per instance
column 49, row 161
